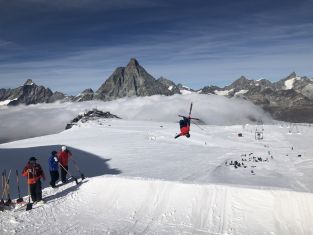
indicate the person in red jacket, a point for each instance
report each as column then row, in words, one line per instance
column 184, row 127
column 33, row 171
column 63, row 156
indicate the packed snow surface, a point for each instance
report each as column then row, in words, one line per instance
column 117, row 205
column 241, row 92
column 186, row 92
column 223, row 93
column 5, row 102
column 143, row 181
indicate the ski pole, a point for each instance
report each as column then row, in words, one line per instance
column 4, row 186
column 3, row 189
column 69, row 173
column 199, row 126
column 20, row 199
column 77, row 168
column 6, row 189
column 9, row 201
column 29, row 205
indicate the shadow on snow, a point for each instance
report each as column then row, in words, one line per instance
column 16, row 159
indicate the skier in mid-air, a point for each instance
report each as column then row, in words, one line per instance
column 185, row 124
column 184, row 127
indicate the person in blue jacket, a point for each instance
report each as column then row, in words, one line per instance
column 53, row 168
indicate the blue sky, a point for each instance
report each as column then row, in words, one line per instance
column 70, row 45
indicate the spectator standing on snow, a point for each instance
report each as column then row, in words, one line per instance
column 63, row 157
column 53, row 168
column 33, row 171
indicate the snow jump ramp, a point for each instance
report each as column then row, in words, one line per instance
column 119, row 205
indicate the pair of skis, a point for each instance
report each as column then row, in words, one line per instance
column 189, row 117
column 6, row 191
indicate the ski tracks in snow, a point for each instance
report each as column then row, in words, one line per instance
column 118, row 205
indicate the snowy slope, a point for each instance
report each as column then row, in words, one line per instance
column 167, row 186
column 116, row 205
column 5, row 102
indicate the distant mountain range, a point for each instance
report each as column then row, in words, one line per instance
column 290, row 99
column 29, row 93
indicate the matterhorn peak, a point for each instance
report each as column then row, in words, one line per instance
column 132, row 62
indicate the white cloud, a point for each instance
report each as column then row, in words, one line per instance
column 197, row 60
column 35, row 120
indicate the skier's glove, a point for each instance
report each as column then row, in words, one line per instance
column 55, row 159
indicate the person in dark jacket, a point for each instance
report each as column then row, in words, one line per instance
column 53, row 168
column 33, row 171
column 184, row 127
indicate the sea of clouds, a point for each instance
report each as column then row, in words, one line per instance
column 35, row 120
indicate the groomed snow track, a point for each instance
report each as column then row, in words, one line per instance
column 118, row 205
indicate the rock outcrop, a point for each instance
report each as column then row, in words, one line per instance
column 91, row 115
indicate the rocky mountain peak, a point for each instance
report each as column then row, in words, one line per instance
column 132, row 80
column 86, row 91
column 165, row 81
column 29, row 82
column 133, row 62
column 242, row 79
column 29, row 93
column 86, row 95
column 171, row 86
column 240, row 83
column 133, row 69
column 292, row 75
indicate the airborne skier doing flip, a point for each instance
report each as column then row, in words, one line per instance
column 185, row 124
column 184, row 127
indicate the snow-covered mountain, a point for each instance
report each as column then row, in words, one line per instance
column 143, row 181
column 289, row 99
column 29, row 93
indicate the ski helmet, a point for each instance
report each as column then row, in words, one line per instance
column 33, row 159
column 54, row 153
column 63, row 148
